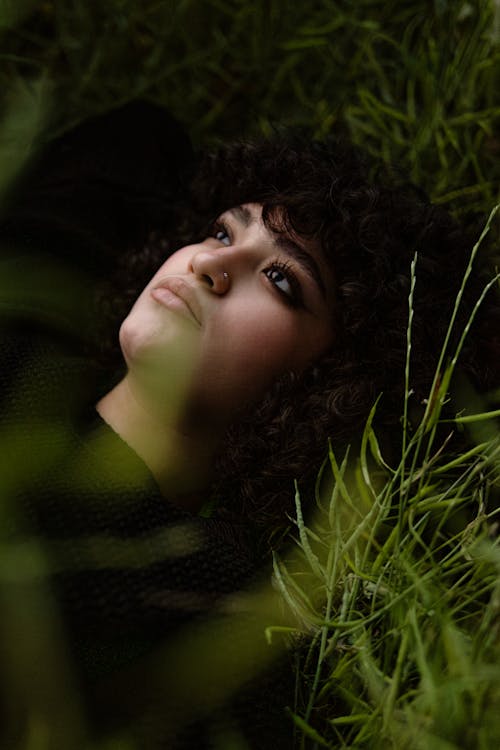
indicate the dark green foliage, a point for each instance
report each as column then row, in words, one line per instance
column 413, row 82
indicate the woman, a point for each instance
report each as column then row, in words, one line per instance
column 233, row 312
column 274, row 330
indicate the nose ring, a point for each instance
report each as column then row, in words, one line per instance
column 225, row 275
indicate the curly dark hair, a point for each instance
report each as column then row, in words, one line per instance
column 369, row 228
column 369, row 225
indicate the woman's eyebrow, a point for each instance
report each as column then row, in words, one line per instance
column 302, row 257
column 244, row 217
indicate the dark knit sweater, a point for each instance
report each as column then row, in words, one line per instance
column 130, row 575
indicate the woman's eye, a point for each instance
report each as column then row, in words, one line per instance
column 285, row 282
column 222, row 235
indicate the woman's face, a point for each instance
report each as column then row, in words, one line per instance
column 237, row 310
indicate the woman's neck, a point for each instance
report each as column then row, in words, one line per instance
column 180, row 461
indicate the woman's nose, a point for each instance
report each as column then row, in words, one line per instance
column 209, row 267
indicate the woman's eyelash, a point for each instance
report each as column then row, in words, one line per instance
column 283, row 269
column 218, row 228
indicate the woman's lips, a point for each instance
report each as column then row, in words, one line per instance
column 176, row 295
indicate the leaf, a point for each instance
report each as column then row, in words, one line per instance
column 22, row 123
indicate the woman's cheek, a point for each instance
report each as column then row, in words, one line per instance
column 264, row 347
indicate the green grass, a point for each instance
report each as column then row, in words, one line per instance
column 395, row 589
column 412, row 81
